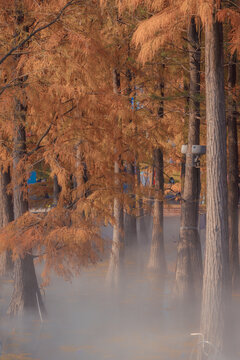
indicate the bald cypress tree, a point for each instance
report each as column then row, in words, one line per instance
column 189, row 259
column 116, row 255
column 26, row 294
column 233, row 179
column 7, row 215
column 216, row 284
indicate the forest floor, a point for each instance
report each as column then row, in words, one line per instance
column 89, row 321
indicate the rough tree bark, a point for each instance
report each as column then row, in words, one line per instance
column 26, row 294
column 81, row 176
column 216, row 284
column 185, row 133
column 141, row 223
column 188, row 282
column 7, row 215
column 56, row 190
column 233, row 191
column 116, row 256
column 117, row 243
column 157, row 260
column 130, row 220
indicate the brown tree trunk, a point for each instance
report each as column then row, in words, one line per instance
column 216, row 284
column 116, row 256
column 130, row 221
column 233, row 192
column 117, row 243
column 157, row 260
column 183, row 168
column 26, row 294
column 142, row 233
column 185, row 134
column 81, row 176
column 56, row 190
column 7, row 215
column 189, row 258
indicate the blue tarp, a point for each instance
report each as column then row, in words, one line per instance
column 33, row 178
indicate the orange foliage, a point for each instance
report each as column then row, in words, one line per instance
column 72, row 110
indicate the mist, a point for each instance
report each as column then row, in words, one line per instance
column 89, row 320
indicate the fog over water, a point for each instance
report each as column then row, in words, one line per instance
column 87, row 320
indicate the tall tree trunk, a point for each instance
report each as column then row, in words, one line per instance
column 185, row 133
column 189, row 258
column 26, row 294
column 116, row 256
column 216, row 284
column 141, row 223
column 157, row 260
column 130, row 220
column 233, row 192
column 7, row 215
column 117, row 244
column 82, row 176
column 56, row 190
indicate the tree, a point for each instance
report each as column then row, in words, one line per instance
column 7, row 215
column 118, row 227
column 164, row 20
column 56, row 189
column 157, row 260
column 189, row 259
column 130, row 221
column 26, row 295
column 216, row 292
column 233, row 178
column 216, row 289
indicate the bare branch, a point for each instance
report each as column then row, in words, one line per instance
column 68, row 111
column 12, row 83
column 38, row 145
column 23, row 42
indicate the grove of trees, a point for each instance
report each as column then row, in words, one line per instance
column 93, row 95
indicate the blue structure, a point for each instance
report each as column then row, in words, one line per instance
column 33, row 178
column 135, row 104
column 144, row 178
